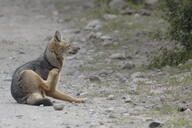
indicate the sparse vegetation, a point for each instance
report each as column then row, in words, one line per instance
column 170, row 57
column 178, row 14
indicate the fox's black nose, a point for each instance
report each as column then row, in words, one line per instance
column 78, row 48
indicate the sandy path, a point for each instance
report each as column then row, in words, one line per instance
column 25, row 26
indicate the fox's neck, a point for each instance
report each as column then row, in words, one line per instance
column 53, row 59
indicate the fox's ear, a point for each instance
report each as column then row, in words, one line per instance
column 57, row 36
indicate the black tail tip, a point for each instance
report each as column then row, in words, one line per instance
column 44, row 102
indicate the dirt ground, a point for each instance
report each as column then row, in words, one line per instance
column 116, row 96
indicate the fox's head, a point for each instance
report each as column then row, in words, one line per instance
column 58, row 48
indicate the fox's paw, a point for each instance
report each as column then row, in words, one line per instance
column 80, row 100
column 54, row 72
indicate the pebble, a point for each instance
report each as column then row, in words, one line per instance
column 94, row 79
column 145, row 12
column 137, row 75
column 93, row 25
column 109, row 16
column 128, row 11
column 58, row 107
column 155, row 125
column 101, row 123
column 111, row 97
column 109, row 110
column 107, row 43
column 112, row 116
column 128, row 65
column 118, row 56
column 187, row 112
column 94, row 35
column 127, row 100
column 118, row 4
column 105, row 37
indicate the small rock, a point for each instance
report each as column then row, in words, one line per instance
column 103, row 74
column 137, row 15
column 98, row 34
column 128, row 11
column 118, row 56
column 1, row 15
column 137, row 75
column 180, row 65
column 109, row 16
column 19, row 116
column 60, row 20
column 58, row 107
column 109, row 110
column 21, row 52
column 127, row 99
column 187, row 111
column 93, row 25
column 88, row 5
column 105, row 37
column 55, row 13
column 155, row 125
column 101, row 123
column 94, row 35
column 121, row 77
column 185, row 108
column 82, row 94
column 111, row 97
column 128, row 66
column 107, row 43
column 94, row 79
column 118, row 4
column 145, row 12
column 112, row 116
column 91, row 110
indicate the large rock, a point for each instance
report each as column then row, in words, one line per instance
column 118, row 4
column 151, row 4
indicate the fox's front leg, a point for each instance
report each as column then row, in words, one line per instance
column 52, row 79
column 52, row 92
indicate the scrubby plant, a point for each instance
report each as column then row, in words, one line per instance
column 179, row 15
column 170, row 57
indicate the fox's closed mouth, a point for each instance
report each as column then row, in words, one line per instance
column 73, row 52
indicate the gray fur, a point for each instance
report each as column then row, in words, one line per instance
column 41, row 66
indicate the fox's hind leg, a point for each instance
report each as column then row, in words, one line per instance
column 34, row 85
